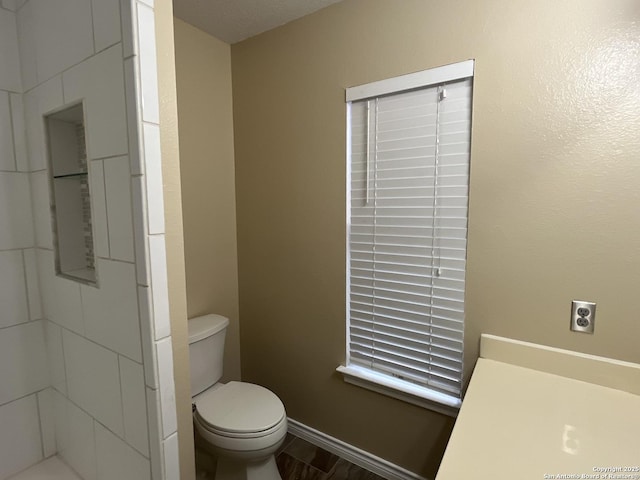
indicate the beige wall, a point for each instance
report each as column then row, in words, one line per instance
column 554, row 210
column 173, row 231
column 203, row 66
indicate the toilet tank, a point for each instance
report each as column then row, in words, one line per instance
column 206, row 350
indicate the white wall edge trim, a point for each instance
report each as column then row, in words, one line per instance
column 432, row 76
column 359, row 457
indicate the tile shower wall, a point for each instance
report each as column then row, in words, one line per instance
column 25, row 407
column 86, row 371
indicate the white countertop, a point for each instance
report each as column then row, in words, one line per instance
column 521, row 423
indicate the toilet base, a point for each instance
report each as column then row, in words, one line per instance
column 229, row 469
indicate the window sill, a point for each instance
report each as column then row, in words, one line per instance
column 405, row 391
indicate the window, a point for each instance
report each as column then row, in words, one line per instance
column 407, row 202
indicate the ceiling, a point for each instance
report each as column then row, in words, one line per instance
column 236, row 20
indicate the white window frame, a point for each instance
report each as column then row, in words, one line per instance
column 361, row 376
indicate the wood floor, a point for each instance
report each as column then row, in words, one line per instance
column 298, row 459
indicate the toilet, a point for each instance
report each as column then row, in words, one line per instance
column 242, row 424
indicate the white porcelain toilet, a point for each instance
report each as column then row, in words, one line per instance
column 242, row 424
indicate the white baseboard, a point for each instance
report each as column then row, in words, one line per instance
column 353, row 454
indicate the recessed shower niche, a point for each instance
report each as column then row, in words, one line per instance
column 71, row 200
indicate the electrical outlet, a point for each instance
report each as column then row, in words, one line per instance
column 583, row 316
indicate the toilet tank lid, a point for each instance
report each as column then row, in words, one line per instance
column 205, row 326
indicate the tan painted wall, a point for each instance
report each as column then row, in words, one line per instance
column 173, row 231
column 203, row 66
column 554, row 211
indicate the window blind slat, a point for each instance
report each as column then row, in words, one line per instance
column 362, row 277
column 427, row 336
column 387, row 119
column 409, row 328
column 432, row 377
column 425, row 285
column 359, row 162
column 437, row 336
column 417, row 353
column 421, row 191
column 391, row 257
column 417, row 231
column 402, row 364
column 444, row 263
column 405, row 360
column 449, row 290
column 394, row 192
column 407, row 100
column 447, row 328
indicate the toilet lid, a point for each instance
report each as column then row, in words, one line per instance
column 239, row 407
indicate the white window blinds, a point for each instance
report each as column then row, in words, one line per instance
column 407, row 234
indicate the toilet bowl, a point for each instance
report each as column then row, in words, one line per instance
column 242, row 424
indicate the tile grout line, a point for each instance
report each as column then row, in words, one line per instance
column 106, row 204
column 92, row 341
column 108, row 157
column 93, row 28
column 66, row 70
column 95, row 444
column 64, row 363
column 40, row 424
column 26, row 285
column 94, row 419
column 124, row 425
column 22, row 397
column 134, row 123
column 28, row 322
column 13, row 132
column 146, row 409
column 332, row 474
column 18, row 249
column 316, row 471
column 316, row 450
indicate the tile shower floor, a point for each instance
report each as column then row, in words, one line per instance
column 50, row 469
column 298, row 459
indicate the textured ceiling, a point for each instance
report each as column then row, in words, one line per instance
column 236, row 20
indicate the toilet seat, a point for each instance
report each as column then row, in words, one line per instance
column 239, row 410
